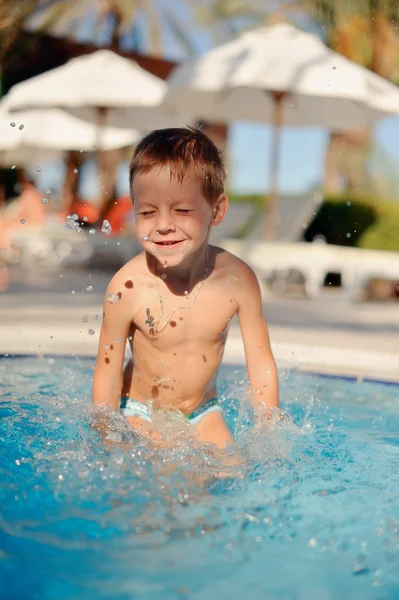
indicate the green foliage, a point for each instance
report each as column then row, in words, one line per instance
column 342, row 220
column 370, row 222
column 259, row 200
column 384, row 233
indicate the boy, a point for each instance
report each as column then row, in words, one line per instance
column 175, row 300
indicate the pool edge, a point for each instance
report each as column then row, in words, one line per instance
column 315, row 371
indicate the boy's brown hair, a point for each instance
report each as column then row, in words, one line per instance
column 181, row 149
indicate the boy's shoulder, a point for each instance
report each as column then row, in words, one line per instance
column 129, row 275
column 228, row 263
column 236, row 276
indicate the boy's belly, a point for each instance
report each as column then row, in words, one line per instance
column 173, row 380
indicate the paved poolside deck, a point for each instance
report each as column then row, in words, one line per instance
column 40, row 314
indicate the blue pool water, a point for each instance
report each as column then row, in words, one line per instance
column 314, row 514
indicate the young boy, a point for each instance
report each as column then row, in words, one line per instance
column 175, row 300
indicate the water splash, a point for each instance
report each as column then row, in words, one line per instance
column 113, row 298
column 72, row 222
column 106, row 227
column 315, row 494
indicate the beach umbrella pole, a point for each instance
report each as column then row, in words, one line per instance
column 101, row 121
column 272, row 205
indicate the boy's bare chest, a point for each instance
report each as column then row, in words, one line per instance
column 201, row 317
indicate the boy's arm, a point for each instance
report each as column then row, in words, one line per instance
column 261, row 366
column 117, row 319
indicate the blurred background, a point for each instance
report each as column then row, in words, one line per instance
column 314, row 190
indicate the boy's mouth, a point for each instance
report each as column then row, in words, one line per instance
column 169, row 243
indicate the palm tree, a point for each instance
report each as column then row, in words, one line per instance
column 13, row 15
column 61, row 18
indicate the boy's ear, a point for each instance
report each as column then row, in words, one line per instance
column 220, row 210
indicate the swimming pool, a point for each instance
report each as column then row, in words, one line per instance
column 315, row 514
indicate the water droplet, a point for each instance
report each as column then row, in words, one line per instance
column 44, row 200
column 14, row 167
column 72, row 223
column 145, row 238
column 348, row 235
column 113, row 298
column 313, row 542
column 85, row 218
column 21, row 127
column 89, row 288
column 75, row 171
column 164, row 276
column 12, row 124
column 106, row 227
column 38, row 169
column 91, row 332
column 51, row 361
column 92, row 231
column 22, row 221
column 85, row 318
column 348, row 203
column 186, row 293
column 49, row 192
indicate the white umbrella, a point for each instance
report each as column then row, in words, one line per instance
column 54, row 130
column 281, row 75
column 101, row 87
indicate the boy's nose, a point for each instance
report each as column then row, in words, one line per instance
column 165, row 223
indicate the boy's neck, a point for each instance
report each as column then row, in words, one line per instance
column 186, row 274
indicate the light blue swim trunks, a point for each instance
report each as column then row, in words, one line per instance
column 134, row 408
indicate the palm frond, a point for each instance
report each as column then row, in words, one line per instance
column 180, row 32
column 154, row 26
column 59, row 17
column 12, row 17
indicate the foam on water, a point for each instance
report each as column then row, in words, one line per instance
column 306, row 507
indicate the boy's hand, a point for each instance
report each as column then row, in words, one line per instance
column 264, row 415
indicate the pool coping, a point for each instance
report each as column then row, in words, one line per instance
column 337, row 353
column 292, row 367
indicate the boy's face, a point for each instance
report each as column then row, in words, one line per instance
column 173, row 219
